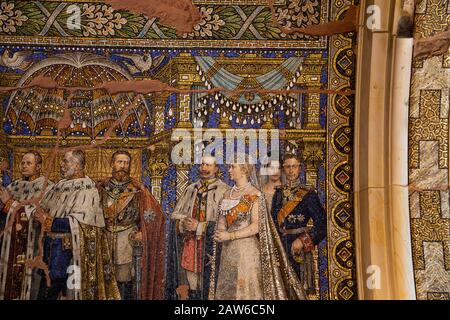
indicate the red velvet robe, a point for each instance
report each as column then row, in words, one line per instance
column 152, row 226
column 17, row 256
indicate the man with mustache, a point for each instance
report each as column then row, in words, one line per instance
column 75, row 245
column 135, row 226
column 192, row 230
column 16, row 280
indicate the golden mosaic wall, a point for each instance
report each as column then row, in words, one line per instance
column 428, row 158
column 240, row 29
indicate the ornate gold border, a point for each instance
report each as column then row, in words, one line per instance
column 153, row 43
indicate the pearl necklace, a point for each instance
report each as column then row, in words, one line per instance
column 239, row 189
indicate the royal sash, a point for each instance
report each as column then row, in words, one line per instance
column 121, row 203
column 291, row 205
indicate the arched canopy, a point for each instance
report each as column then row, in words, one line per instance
column 30, row 111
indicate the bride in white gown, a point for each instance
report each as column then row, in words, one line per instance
column 253, row 265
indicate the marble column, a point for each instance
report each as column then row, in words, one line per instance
column 403, row 272
column 383, row 246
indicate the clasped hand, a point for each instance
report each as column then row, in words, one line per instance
column 221, row 236
column 297, row 247
column 190, row 224
column 5, row 196
column 41, row 216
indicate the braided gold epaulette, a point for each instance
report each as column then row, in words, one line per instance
column 309, row 187
column 286, row 189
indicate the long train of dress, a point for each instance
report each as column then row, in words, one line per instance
column 256, row 267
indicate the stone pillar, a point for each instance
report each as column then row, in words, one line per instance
column 159, row 101
column 371, row 161
column 312, row 156
column 312, row 101
column 184, row 108
column 381, row 160
column 403, row 276
column 182, row 179
column 3, row 145
column 186, row 76
column 310, row 78
column 158, row 163
column 3, row 157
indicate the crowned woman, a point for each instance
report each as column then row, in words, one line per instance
column 252, row 262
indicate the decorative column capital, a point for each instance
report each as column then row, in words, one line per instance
column 158, row 161
column 312, row 153
column 313, row 156
column 268, row 124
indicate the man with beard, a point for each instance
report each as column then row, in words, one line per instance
column 17, row 281
column 75, row 241
column 135, row 226
column 192, row 229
